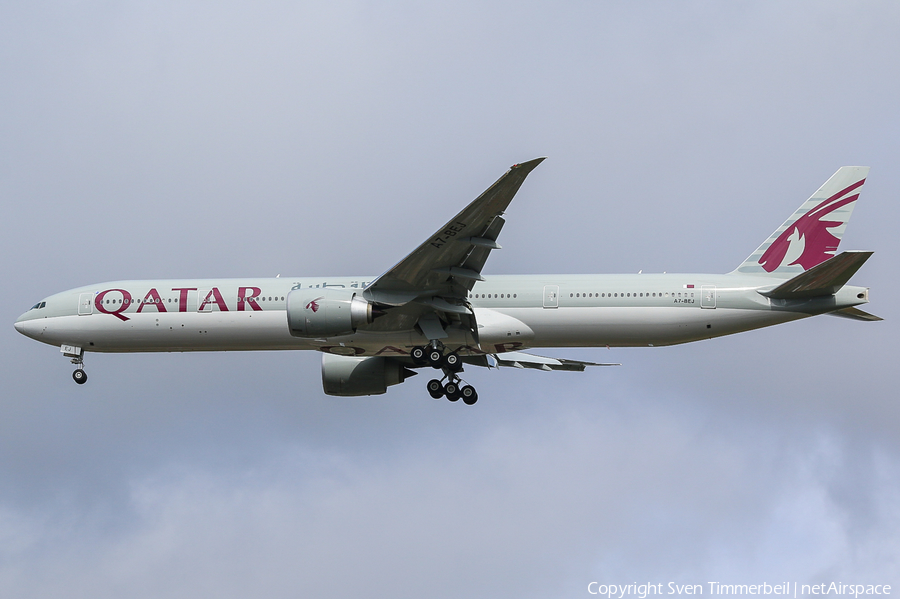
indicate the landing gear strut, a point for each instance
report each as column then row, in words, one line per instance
column 80, row 376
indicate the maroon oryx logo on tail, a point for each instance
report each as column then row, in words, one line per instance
column 314, row 305
column 808, row 241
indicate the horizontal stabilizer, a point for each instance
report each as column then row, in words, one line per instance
column 522, row 360
column 822, row 280
column 855, row 314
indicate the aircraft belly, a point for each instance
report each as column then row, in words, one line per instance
column 561, row 327
column 639, row 326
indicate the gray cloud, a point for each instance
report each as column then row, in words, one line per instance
column 218, row 139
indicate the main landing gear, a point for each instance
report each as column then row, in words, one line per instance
column 434, row 357
column 454, row 388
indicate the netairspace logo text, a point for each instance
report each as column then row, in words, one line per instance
column 786, row 589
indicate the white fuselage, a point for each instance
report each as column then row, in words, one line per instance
column 513, row 312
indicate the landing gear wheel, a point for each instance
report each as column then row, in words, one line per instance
column 435, row 358
column 435, row 389
column 469, row 396
column 418, row 356
column 452, row 362
column 451, row 390
column 80, row 376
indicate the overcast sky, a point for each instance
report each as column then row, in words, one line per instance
column 208, row 139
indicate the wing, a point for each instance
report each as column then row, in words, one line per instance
column 446, row 266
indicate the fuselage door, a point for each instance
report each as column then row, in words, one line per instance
column 551, row 296
column 707, row 296
column 85, row 304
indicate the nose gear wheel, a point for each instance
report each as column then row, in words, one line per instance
column 79, row 375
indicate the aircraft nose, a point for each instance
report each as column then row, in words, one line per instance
column 20, row 325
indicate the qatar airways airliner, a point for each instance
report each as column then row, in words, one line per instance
column 435, row 310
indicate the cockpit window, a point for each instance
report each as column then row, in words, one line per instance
column 38, row 305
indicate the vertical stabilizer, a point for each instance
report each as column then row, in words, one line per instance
column 812, row 234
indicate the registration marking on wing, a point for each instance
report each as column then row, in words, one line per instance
column 446, row 234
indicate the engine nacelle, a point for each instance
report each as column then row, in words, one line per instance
column 348, row 376
column 326, row 312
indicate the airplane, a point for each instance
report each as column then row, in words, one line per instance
column 435, row 309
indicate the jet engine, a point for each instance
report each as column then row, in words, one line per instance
column 327, row 312
column 348, row 376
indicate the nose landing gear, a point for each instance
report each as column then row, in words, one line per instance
column 77, row 355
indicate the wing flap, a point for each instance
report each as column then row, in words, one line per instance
column 523, row 360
